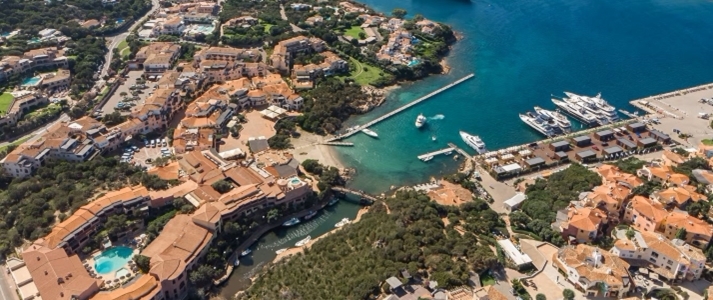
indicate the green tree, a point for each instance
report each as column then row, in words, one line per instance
column 143, row 263
column 568, row 294
column 681, row 234
column 699, row 209
column 540, row 297
column 630, row 233
column 115, row 224
column 222, row 186
column 399, row 13
column 202, row 276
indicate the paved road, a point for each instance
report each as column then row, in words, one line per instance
column 115, row 40
column 295, row 28
column 6, row 290
column 37, row 133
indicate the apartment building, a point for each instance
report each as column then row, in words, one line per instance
column 644, row 214
column 227, row 54
column 172, row 26
column 281, row 55
column 157, row 58
column 664, row 175
column 612, row 174
column 587, row 268
column 583, row 224
column 672, row 259
column 679, row 197
column 698, row 232
column 64, row 141
column 21, row 103
column 609, row 197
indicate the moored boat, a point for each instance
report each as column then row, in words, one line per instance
column 370, row 132
column 559, row 119
column 236, row 262
column 333, row 201
column 281, row 250
column 343, row 222
column 577, row 112
column 291, row 222
column 538, row 124
column 474, row 142
column 311, row 214
column 245, row 252
column 304, row 241
column 420, row 121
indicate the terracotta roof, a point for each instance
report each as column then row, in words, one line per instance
column 691, row 224
column 679, row 195
column 611, row 173
column 611, row 268
column 625, row 244
column 648, row 208
column 662, row 245
column 586, row 218
column 139, row 289
column 210, row 212
column 673, row 156
column 56, row 275
column 180, row 240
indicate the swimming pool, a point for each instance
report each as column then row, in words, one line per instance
column 205, row 29
column 32, row 81
column 294, row 181
column 112, row 259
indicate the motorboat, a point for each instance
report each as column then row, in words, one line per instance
column 343, row 222
column 236, row 262
column 538, row 124
column 420, row 121
column 559, row 119
column 333, row 201
column 304, row 241
column 311, row 214
column 281, row 250
column 246, row 252
column 577, row 112
column 370, row 133
column 474, row 142
column 427, row 158
column 291, row 222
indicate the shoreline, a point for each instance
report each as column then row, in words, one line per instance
column 295, row 250
column 307, row 147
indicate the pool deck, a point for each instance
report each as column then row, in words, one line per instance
column 110, row 277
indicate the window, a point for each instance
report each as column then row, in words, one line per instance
column 654, row 254
column 669, row 262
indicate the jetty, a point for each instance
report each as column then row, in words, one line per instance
column 357, row 129
column 460, row 151
column 355, row 192
column 424, row 157
column 347, row 144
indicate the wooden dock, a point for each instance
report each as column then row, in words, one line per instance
column 424, row 157
column 357, row 129
column 460, row 151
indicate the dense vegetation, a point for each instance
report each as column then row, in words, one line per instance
column 405, row 233
column 328, row 175
column 546, row 197
column 33, row 204
column 328, row 105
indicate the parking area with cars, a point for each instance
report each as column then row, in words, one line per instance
column 131, row 93
column 144, row 153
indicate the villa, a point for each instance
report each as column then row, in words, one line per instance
column 588, row 268
column 21, row 103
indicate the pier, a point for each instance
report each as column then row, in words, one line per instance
column 460, row 151
column 355, row 192
column 347, row 144
column 357, row 129
column 424, row 157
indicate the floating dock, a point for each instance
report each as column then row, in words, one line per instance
column 357, row 129
column 425, row 157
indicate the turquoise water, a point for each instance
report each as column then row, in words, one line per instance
column 523, row 51
column 112, row 259
column 30, row 81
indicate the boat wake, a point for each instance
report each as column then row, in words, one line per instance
column 437, row 117
column 301, row 231
column 253, row 271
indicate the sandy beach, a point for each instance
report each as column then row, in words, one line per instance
column 307, row 147
column 295, row 250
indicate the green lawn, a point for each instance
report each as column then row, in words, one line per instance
column 707, row 142
column 354, row 32
column 125, row 53
column 362, row 73
column 267, row 27
column 5, row 100
column 122, row 45
column 487, row 279
column 16, row 143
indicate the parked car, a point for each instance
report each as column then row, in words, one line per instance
column 595, row 148
column 163, row 142
column 153, row 143
column 134, row 148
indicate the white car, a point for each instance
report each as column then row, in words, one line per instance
column 153, row 143
column 163, row 142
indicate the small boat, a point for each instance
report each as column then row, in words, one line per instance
column 310, row 214
column 290, row 222
column 281, row 250
column 420, row 121
column 427, row 158
column 333, row 201
column 343, row 222
column 433, row 138
column 236, row 262
column 370, row 132
column 303, row 241
column 246, row 252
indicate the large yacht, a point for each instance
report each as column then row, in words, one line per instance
column 597, row 106
column 559, row 119
column 538, row 124
column 577, row 112
column 420, row 121
column 597, row 100
column 474, row 142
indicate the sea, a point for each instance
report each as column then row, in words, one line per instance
column 523, row 52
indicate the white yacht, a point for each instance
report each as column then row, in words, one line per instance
column 343, row 222
column 246, row 252
column 290, row 222
column 474, row 142
column 538, row 124
column 304, row 241
column 370, row 133
column 577, row 112
column 597, row 106
column 597, row 100
column 420, row 121
column 281, row 250
column 559, row 119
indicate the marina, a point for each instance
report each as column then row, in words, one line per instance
column 428, row 156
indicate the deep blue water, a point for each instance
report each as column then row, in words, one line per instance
column 523, row 51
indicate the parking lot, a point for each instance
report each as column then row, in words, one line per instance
column 139, row 95
column 141, row 155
